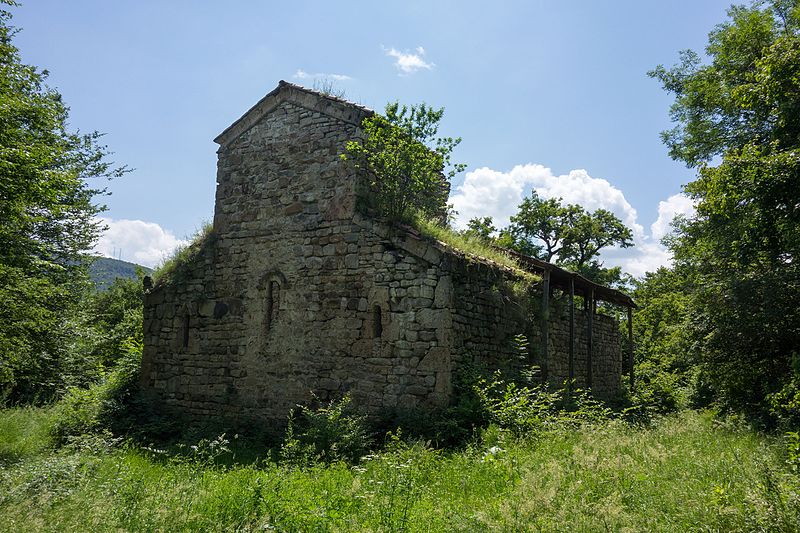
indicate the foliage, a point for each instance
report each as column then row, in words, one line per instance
column 567, row 235
column 47, row 223
column 407, row 164
column 747, row 95
column 328, row 433
column 102, row 406
column 469, row 245
column 480, row 228
column 681, row 474
column 529, row 410
column 666, row 362
column 110, row 322
column 173, row 268
column 742, row 247
column 541, row 228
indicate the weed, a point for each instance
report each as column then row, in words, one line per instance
column 172, row 268
column 473, row 247
column 328, row 433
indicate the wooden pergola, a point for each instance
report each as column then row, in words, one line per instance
column 554, row 277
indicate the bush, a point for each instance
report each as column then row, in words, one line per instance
column 527, row 410
column 103, row 405
column 328, row 433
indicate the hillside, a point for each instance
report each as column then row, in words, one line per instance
column 105, row 270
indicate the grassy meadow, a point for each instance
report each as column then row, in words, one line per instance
column 686, row 472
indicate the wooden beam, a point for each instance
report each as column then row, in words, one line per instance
column 630, row 346
column 571, row 374
column 590, row 343
column 545, row 323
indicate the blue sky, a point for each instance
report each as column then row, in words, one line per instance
column 546, row 95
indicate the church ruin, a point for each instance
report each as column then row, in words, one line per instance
column 298, row 291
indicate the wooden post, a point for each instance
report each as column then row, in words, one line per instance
column 545, row 322
column 571, row 374
column 590, row 345
column 630, row 345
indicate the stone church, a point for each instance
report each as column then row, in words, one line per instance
column 297, row 291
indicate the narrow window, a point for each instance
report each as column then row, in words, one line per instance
column 377, row 324
column 273, row 303
column 186, row 330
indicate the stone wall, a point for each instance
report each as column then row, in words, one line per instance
column 296, row 293
column 606, row 351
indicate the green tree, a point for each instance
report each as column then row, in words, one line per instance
column 481, row 228
column 408, row 166
column 743, row 245
column 667, row 373
column 47, row 222
column 543, row 225
column 588, row 233
column 567, row 235
column 109, row 321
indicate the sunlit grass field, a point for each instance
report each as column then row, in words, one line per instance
column 685, row 473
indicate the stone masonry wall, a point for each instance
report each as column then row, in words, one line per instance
column 296, row 294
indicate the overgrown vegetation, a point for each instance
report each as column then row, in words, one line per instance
column 718, row 331
column 329, row 433
column 470, row 245
column 686, row 472
column 407, row 165
column 48, row 208
column 566, row 235
column 173, row 268
column 730, row 305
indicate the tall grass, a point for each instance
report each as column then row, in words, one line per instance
column 24, row 432
column 471, row 246
column 684, row 473
column 183, row 255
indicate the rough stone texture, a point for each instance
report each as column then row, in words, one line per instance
column 298, row 293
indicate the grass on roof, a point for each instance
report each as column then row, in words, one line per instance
column 170, row 269
column 470, row 246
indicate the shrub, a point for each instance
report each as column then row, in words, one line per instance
column 527, row 410
column 328, row 433
column 407, row 165
column 102, row 405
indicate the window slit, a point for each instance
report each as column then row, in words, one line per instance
column 186, row 330
column 273, row 302
column 377, row 324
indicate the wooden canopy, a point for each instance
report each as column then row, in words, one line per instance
column 560, row 278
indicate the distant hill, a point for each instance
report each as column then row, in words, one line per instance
column 104, row 271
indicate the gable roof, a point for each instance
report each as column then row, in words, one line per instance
column 560, row 278
column 352, row 113
column 289, row 92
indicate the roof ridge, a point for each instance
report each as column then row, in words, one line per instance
column 324, row 103
column 284, row 83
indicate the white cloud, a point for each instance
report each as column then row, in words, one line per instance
column 488, row 192
column 677, row 204
column 409, row 62
column 137, row 241
column 303, row 75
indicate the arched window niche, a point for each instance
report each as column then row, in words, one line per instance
column 271, row 289
column 184, row 330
